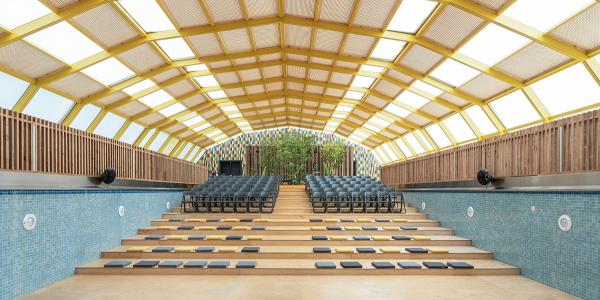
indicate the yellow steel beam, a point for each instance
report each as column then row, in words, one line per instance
column 141, row 138
column 122, row 130
column 26, row 98
column 96, row 121
column 537, row 104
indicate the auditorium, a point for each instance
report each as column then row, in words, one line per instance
column 299, row 149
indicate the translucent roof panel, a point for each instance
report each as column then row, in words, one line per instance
column 148, row 15
column 11, row 91
column 48, row 106
column 131, row 133
column 387, row 149
column 172, row 109
column 411, row 99
column 138, row 87
column 169, row 147
column 198, row 67
column 362, row 81
column 354, row 95
column 216, row 94
column 567, row 90
column 110, row 125
column 493, row 44
column 201, row 127
column 481, row 120
column 157, row 98
column 414, row 143
column 147, row 137
column 64, row 42
column 438, row 136
column 405, row 150
column 193, row 153
column 16, row 13
column 514, row 110
column 411, row 15
column 420, row 135
column 381, row 158
column 158, row 141
column 371, row 68
column 387, row 49
column 430, row 89
column 206, row 81
column 397, row 110
column 454, row 73
column 543, row 15
column 193, row 121
column 459, row 128
column 175, row 48
column 85, row 117
column 108, row 71
column 185, row 150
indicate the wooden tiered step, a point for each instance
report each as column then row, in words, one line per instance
column 287, row 238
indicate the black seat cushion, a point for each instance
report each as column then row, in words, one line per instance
column 176, row 220
column 218, row 264
column 435, row 265
column 383, row 265
column 185, row 227
column 347, row 220
column 408, row 228
column 324, row 265
column 409, row 265
column 416, row 250
column 250, row 249
column 334, row 228
column 382, row 220
column 401, row 237
column 170, row 264
column 258, row 227
column 205, row 249
column 246, row 220
column 163, row 249
column 146, row 264
column 361, row 238
column 321, row 250
column 316, row 220
column 234, row 237
column 319, row 238
column 459, row 265
column 224, row 227
column 246, row 264
column 195, row 264
column 365, row 250
column 213, row 220
column 196, row 237
column 154, row 237
column 117, row 264
column 370, row 228
column 351, row 265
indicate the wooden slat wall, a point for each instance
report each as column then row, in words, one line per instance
column 35, row 145
column 531, row 151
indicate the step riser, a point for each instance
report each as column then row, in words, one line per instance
column 412, row 223
column 293, row 216
column 293, row 232
column 315, row 256
column 295, row 243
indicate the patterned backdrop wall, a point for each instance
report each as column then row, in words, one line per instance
column 234, row 149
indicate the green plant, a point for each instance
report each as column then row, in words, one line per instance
column 333, row 157
column 286, row 154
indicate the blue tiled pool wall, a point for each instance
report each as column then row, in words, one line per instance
column 73, row 227
column 506, row 224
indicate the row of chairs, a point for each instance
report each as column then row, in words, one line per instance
column 350, row 194
column 250, row 194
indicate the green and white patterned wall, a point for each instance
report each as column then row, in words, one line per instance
column 234, row 149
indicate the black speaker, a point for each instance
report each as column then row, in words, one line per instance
column 108, row 176
column 484, row 177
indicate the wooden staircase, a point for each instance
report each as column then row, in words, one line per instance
column 286, row 244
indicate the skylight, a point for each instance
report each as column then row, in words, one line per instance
column 338, row 116
column 411, row 15
column 131, row 133
column 148, row 15
column 397, row 110
column 567, row 90
column 216, row 94
column 387, row 149
column 198, row 67
column 109, row 126
column 514, row 109
column 387, row 49
column 380, row 156
column 354, row 95
column 372, row 127
column 108, row 71
column 157, row 98
column 414, row 143
column 411, row 99
column 48, row 106
column 420, row 135
column 201, row 127
column 138, row 87
column 428, row 88
column 158, row 141
column 64, row 42
column 543, row 15
column 235, row 115
column 371, row 68
column 438, row 136
column 229, row 108
column 358, row 136
column 362, row 81
column 493, row 44
column 481, row 120
column 85, row 117
column 459, row 128
column 147, row 137
column 379, row 122
column 171, row 110
column 405, row 150
column 454, row 73
column 343, row 108
column 206, row 81
column 193, row 121
column 16, row 13
column 176, row 48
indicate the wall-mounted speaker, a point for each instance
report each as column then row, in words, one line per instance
column 108, row 176
column 484, row 177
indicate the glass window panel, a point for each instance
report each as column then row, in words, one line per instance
column 414, row 143
column 387, row 49
column 493, row 44
column 175, row 48
column 362, row 81
column 158, row 141
column 411, row 99
column 110, row 125
column 198, row 67
column 147, row 14
column 185, row 150
column 454, row 73
column 438, row 136
column 15, row 13
column 481, row 120
column 459, row 128
column 108, row 71
column 397, row 110
column 157, row 98
column 171, row 110
column 138, row 87
column 85, row 117
column 131, row 133
column 216, row 94
column 206, row 81
column 172, row 143
column 390, row 152
column 543, row 15
column 371, row 68
column 405, row 150
column 193, row 121
column 11, row 91
column 193, row 153
column 381, row 159
column 354, row 95
column 201, row 127
column 48, row 106
column 514, row 109
column 64, row 42
column 424, row 139
column 567, row 90
column 411, row 15
column 147, row 137
column 427, row 88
